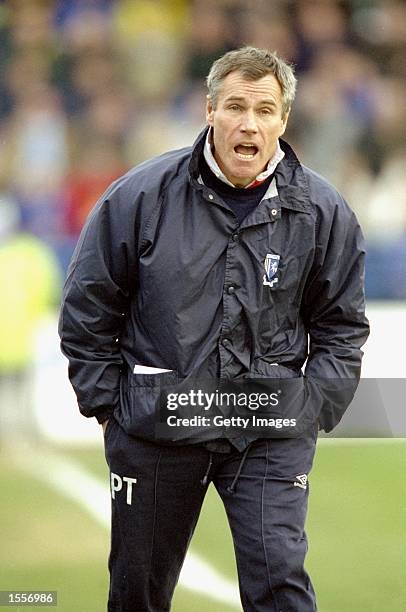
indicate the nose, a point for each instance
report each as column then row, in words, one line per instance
column 249, row 123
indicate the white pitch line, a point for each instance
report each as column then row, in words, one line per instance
column 71, row 480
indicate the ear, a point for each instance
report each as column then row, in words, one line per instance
column 209, row 112
column 284, row 123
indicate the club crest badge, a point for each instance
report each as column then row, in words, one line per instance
column 271, row 268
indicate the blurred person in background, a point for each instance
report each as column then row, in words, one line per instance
column 30, row 282
column 98, row 163
column 150, row 36
column 219, row 261
column 34, row 150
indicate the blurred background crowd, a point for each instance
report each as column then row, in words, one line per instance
column 89, row 88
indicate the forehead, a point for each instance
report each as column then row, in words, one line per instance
column 235, row 85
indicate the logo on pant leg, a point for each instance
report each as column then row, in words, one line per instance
column 117, row 485
column 302, row 481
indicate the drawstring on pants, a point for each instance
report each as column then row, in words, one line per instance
column 231, row 488
column 206, row 476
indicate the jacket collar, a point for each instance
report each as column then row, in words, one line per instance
column 197, row 150
column 291, row 182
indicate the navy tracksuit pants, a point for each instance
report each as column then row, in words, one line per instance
column 157, row 494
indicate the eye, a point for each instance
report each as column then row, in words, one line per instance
column 234, row 107
column 265, row 111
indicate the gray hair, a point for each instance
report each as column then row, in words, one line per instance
column 253, row 64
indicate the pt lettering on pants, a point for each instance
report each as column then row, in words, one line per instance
column 116, row 485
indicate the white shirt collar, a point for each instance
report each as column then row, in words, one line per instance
column 214, row 167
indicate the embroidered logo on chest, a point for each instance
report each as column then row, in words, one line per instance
column 271, row 268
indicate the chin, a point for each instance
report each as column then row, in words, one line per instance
column 242, row 181
column 247, row 178
column 246, row 172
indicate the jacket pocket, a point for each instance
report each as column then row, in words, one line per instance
column 264, row 369
column 158, row 379
column 285, row 386
column 141, row 402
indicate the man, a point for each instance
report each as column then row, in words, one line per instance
column 31, row 281
column 220, row 262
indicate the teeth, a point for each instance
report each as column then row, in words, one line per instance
column 242, row 156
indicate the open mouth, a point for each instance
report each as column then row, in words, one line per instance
column 246, row 151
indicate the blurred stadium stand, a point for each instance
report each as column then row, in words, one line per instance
column 89, row 88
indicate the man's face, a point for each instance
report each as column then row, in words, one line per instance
column 247, row 123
